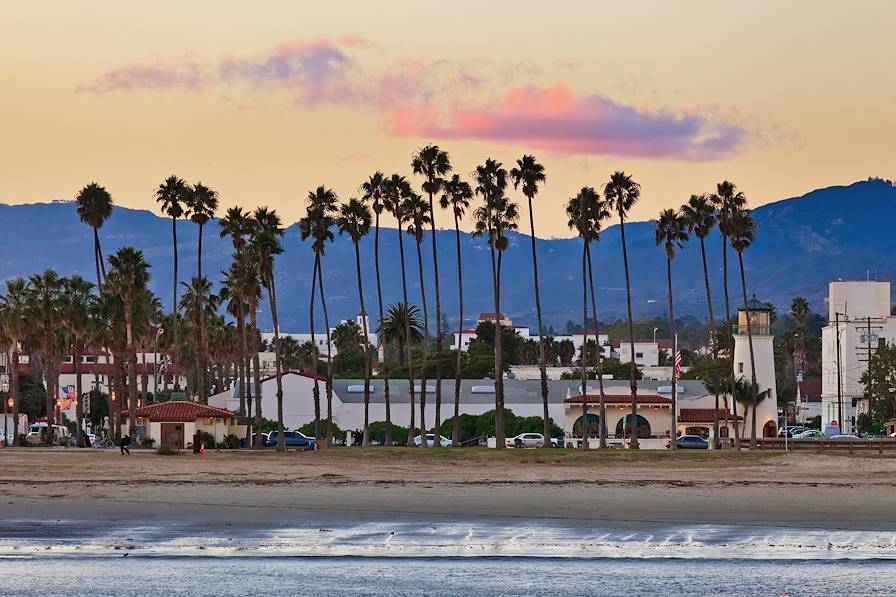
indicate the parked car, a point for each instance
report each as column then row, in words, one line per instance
column 845, row 436
column 528, row 440
column 431, row 438
column 691, row 442
column 809, row 434
column 791, row 431
column 251, row 442
column 291, row 439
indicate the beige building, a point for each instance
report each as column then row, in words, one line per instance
column 173, row 424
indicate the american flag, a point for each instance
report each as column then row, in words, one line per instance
column 676, row 368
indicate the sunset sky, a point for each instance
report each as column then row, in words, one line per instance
column 263, row 101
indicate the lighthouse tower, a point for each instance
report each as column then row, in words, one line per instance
column 758, row 315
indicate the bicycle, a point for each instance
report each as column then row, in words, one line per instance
column 104, row 443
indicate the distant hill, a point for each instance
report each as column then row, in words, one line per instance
column 802, row 243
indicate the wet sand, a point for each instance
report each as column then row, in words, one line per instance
column 613, row 489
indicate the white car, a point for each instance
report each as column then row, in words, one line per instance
column 431, row 438
column 528, row 440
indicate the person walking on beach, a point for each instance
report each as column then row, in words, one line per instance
column 125, row 443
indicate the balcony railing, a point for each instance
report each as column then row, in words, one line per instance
column 755, row 328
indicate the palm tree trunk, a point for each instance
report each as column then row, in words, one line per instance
column 583, row 361
column 14, row 389
column 435, row 271
column 633, row 427
column 144, row 378
column 79, row 406
column 754, row 388
column 731, row 348
column 175, row 346
column 713, row 344
column 329, row 384
column 407, row 334
column 256, row 365
column 366, row 438
column 500, row 434
column 385, row 370
column 98, row 258
column 200, row 333
column 424, row 352
column 673, row 428
column 455, row 427
column 241, row 359
column 542, row 365
column 600, row 366
column 132, row 389
column 272, row 299
column 316, row 391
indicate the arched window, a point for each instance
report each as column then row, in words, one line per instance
column 770, row 429
column 643, row 427
column 592, row 426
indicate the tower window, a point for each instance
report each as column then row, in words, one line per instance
column 740, row 367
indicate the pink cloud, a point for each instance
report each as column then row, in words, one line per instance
column 553, row 118
column 181, row 76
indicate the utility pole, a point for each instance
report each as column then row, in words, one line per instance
column 839, row 381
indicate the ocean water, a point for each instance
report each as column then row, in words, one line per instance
column 71, row 557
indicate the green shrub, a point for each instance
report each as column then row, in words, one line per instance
column 230, row 442
column 164, row 450
column 208, row 440
column 148, row 442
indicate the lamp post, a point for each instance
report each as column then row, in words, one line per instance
column 155, row 363
column 7, row 404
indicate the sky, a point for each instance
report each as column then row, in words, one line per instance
column 264, row 101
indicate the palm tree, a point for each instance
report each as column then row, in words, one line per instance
column 700, row 216
column 76, row 306
column 17, row 323
column 374, row 193
column 671, row 234
column 396, row 191
column 456, row 196
column 237, row 224
column 317, row 225
column 354, row 220
column 45, row 291
column 265, row 242
column 742, row 229
column 173, row 194
column 417, row 213
column 202, row 202
column 128, row 277
column 586, row 213
column 621, row 193
column 495, row 218
column 94, row 208
column 727, row 200
column 434, row 164
column 395, row 327
column 799, row 312
column 529, row 174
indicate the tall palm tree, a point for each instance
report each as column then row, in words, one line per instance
column 265, row 242
column 727, row 200
column 799, row 312
column 17, row 323
column 396, row 191
column 237, row 224
column 374, row 193
column 128, row 277
column 399, row 321
column 586, row 213
column 354, row 221
column 700, row 216
column 173, row 195
column 202, row 202
column 621, row 193
column 494, row 219
column 94, row 208
column 45, row 291
column 76, row 306
column 456, row 196
column 742, row 231
column 434, row 164
column 317, row 225
column 529, row 173
column 671, row 234
column 417, row 213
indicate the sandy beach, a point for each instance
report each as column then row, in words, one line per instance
column 805, row 490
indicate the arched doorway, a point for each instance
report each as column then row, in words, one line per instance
column 642, row 426
column 592, row 426
column 770, row 429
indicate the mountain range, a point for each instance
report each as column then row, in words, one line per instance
column 801, row 244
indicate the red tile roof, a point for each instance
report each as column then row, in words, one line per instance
column 619, row 399
column 491, row 316
column 703, row 415
column 179, row 412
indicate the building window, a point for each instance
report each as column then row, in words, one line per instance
column 639, row 355
column 67, row 359
column 88, row 359
column 740, row 367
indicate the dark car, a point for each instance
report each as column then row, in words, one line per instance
column 691, row 442
column 292, row 439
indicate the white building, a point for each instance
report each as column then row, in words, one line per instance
column 320, row 337
column 464, row 338
column 647, row 352
column 764, row 357
column 855, row 308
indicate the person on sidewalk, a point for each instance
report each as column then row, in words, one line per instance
column 125, row 443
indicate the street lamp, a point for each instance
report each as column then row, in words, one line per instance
column 155, row 362
column 7, row 404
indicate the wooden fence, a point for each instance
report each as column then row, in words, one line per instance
column 880, row 445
